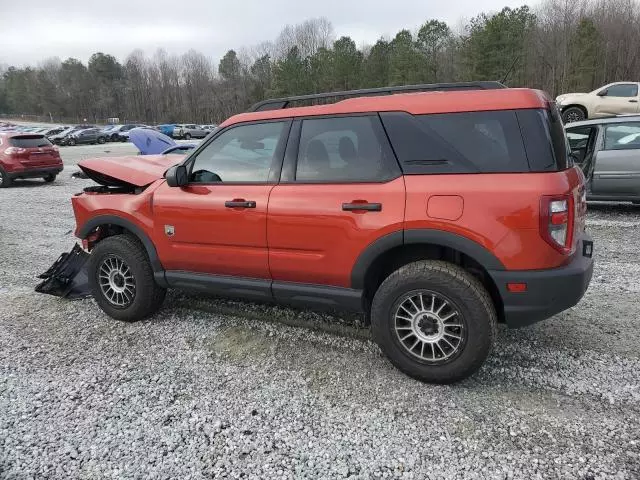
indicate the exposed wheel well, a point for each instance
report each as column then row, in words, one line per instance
column 391, row 260
column 105, row 230
column 108, row 226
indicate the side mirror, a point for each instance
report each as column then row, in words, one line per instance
column 177, row 176
column 602, row 93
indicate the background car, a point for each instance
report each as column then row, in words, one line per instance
column 54, row 131
column 189, row 130
column 121, row 134
column 27, row 156
column 166, row 129
column 608, row 150
column 89, row 135
column 613, row 99
column 109, row 130
column 62, row 137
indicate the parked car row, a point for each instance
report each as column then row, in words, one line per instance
column 93, row 134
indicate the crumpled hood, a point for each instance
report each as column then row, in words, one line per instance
column 136, row 170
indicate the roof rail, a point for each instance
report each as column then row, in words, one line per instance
column 280, row 103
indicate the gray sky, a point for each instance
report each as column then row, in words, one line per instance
column 33, row 30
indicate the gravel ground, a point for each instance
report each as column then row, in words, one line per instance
column 211, row 388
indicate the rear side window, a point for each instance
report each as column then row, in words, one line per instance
column 469, row 142
column 622, row 136
column 29, row 141
column 344, row 149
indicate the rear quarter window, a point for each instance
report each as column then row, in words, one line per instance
column 469, row 142
column 29, row 141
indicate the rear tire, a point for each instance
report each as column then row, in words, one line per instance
column 573, row 114
column 101, row 140
column 49, row 178
column 450, row 346
column 121, row 279
column 5, row 181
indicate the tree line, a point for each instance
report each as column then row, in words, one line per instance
column 558, row 46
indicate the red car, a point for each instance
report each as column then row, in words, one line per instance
column 438, row 214
column 24, row 155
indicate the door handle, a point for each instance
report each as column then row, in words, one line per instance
column 240, row 203
column 633, row 101
column 362, row 206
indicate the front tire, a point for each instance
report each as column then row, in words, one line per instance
column 101, row 140
column 434, row 321
column 71, row 142
column 121, row 279
column 573, row 114
column 187, row 136
column 5, row 180
column 49, row 178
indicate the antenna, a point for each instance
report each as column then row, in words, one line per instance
column 513, row 64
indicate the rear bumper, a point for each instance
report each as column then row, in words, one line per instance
column 549, row 292
column 35, row 172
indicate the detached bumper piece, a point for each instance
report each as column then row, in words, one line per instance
column 67, row 277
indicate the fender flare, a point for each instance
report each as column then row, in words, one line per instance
column 416, row 236
column 90, row 225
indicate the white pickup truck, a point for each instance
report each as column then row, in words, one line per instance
column 614, row 99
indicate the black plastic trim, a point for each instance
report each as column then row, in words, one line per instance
column 35, row 173
column 416, row 236
column 247, row 288
column 289, row 166
column 447, row 239
column 371, row 253
column 549, row 292
column 297, row 294
column 280, row 103
column 95, row 222
column 319, row 296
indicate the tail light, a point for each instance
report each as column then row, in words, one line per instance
column 557, row 222
column 14, row 150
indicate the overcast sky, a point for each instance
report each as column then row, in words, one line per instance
column 33, row 30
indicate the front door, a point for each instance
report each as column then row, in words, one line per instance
column 617, row 168
column 621, row 98
column 217, row 224
column 341, row 190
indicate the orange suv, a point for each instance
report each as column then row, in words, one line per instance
column 438, row 210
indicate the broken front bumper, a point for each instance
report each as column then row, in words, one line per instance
column 67, row 277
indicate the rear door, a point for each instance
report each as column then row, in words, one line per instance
column 617, row 167
column 617, row 99
column 340, row 190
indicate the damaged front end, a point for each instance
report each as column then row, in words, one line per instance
column 67, row 277
column 120, row 183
